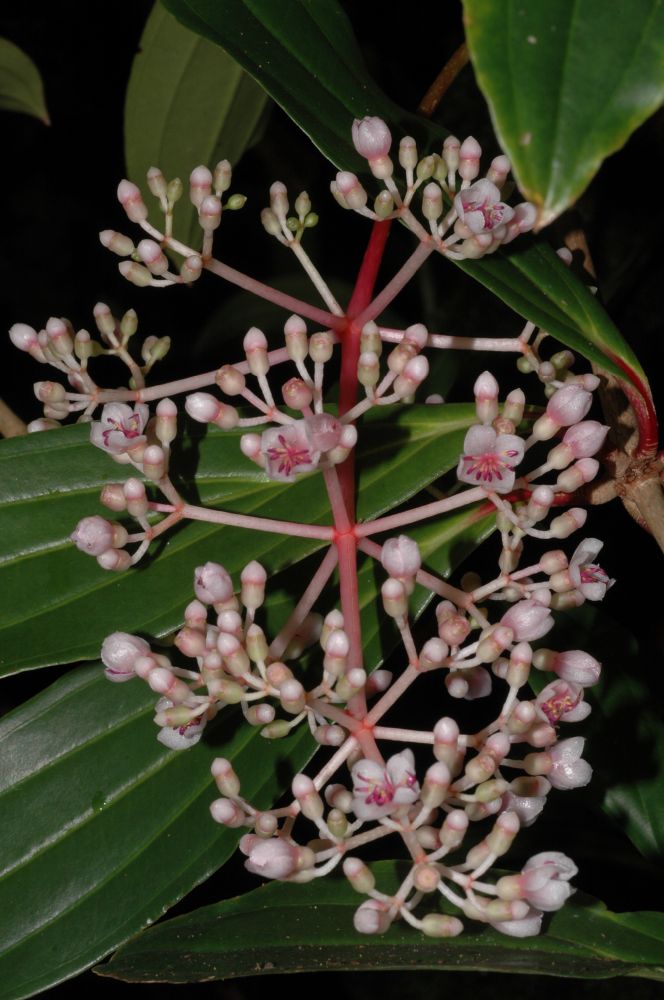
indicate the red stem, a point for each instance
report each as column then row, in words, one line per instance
column 350, row 350
column 640, row 398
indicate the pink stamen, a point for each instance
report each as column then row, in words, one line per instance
column 289, row 456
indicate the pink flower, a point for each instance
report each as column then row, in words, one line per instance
column 288, row 451
column 489, row 459
column 587, row 576
column 545, row 880
column 568, row 770
column 371, row 137
column 378, row 790
column 480, row 207
column 562, row 701
column 120, row 428
column 119, row 653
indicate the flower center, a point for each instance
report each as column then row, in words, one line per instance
column 593, row 574
column 377, row 793
column 489, row 466
column 557, row 706
column 289, row 456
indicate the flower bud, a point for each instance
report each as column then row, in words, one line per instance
column 131, row 200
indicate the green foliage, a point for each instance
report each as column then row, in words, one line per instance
column 289, row 928
column 187, row 103
column 567, row 81
column 21, row 87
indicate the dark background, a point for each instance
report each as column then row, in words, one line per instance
column 57, row 189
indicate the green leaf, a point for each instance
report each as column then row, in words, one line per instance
column 315, row 71
column 98, row 816
column 282, row 928
column 187, row 103
column 567, row 82
column 59, row 605
column 103, row 828
column 21, row 87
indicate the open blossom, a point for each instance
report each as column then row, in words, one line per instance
column 489, row 459
column 562, row 701
column 120, row 428
column 180, row 737
column 480, row 207
column 378, row 790
column 288, row 451
column 545, row 880
column 587, row 576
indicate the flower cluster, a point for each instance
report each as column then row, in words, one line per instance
column 476, row 221
column 458, row 812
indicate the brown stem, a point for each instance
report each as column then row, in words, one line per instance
column 443, row 81
column 10, row 425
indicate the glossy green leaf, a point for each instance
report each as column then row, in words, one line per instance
column 21, row 87
column 59, row 604
column 311, row 65
column 567, row 82
column 187, row 103
column 282, row 928
column 98, row 816
column 103, row 828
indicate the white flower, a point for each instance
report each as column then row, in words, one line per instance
column 120, row 428
column 587, row 576
column 528, row 926
column 288, row 451
column 545, row 880
column 378, row 790
column 489, row 459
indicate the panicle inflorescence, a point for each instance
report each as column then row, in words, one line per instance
column 458, row 812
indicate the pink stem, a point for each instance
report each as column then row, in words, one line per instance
column 403, row 735
column 247, row 521
column 305, row 604
column 421, row 513
column 320, row 316
column 428, row 580
column 400, row 685
column 393, row 287
column 445, row 342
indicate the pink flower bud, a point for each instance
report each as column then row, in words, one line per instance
column 324, row 431
column 151, row 255
column 578, row 667
column 209, row 213
column 469, row 159
column 200, row 185
column 273, row 858
column 351, row 190
column 23, row 337
column 401, row 557
column 371, row 137
column 485, row 391
column 119, row 653
column 569, row 405
column 212, row 584
column 585, row 439
column 528, row 620
column 95, row 535
column 131, row 200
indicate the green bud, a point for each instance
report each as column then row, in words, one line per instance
column 236, row 202
column 128, row 324
column 310, row 220
column 174, row 190
column 276, row 730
